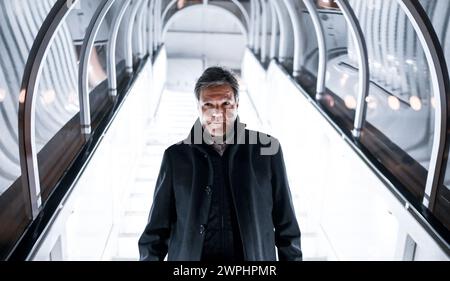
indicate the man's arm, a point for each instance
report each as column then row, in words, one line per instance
column 154, row 242
column 287, row 232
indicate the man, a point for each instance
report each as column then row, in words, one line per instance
column 222, row 194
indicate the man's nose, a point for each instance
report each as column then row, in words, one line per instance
column 217, row 112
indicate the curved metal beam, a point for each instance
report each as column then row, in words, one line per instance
column 257, row 28
column 155, row 26
column 111, row 48
column 284, row 32
column 27, row 109
column 158, row 25
column 139, row 35
column 210, row 5
column 244, row 13
column 441, row 88
column 263, row 46
column 151, row 27
column 363, row 59
column 85, row 57
column 275, row 28
column 321, row 42
column 251, row 29
column 298, row 44
column 167, row 9
column 129, row 36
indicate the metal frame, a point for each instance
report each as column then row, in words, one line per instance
column 439, row 79
column 85, row 57
column 251, row 36
column 129, row 36
column 298, row 46
column 151, row 27
column 321, row 42
column 158, row 24
column 140, row 31
column 361, row 48
column 283, row 25
column 111, row 48
column 263, row 45
column 257, row 27
column 167, row 9
column 275, row 28
column 244, row 13
column 27, row 100
column 211, row 5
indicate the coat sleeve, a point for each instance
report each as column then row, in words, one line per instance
column 287, row 231
column 153, row 243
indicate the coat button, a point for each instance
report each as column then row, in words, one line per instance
column 205, row 155
column 202, row 229
column 208, row 189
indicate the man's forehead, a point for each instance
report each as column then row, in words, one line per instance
column 223, row 93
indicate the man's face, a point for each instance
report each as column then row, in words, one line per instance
column 218, row 109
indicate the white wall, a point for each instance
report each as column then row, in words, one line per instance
column 209, row 33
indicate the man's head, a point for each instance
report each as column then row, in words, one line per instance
column 217, row 93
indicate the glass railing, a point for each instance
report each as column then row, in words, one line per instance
column 17, row 36
column 44, row 52
column 397, row 112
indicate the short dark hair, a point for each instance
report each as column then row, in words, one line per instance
column 216, row 76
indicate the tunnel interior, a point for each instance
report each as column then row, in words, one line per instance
column 93, row 92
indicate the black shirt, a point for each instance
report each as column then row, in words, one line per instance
column 222, row 238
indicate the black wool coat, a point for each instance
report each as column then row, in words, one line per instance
column 259, row 186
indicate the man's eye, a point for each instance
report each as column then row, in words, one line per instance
column 227, row 103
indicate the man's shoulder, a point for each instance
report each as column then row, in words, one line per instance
column 177, row 147
column 261, row 138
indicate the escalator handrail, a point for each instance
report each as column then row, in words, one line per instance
column 27, row 101
column 440, row 85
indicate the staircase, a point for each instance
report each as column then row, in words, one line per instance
column 175, row 117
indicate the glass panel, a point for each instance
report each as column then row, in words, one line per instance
column 340, row 97
column 57, row 107
column 20, row 21
column 438, row 12
column 400, row 112
column 58, row 133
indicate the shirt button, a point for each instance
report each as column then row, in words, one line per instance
column 208, row 190
column 202, row 229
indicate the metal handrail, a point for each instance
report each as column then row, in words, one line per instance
column 322, row 47
column 85, row 57
column 151, row 27
column 158, row 23
column 275, row 28
column 251, row 28
column 129, row 36
column 210, row 4
column 140, row 31
column 244, row 13
column 257, row 27
column 298, row 44
column 27, row 107
column 283, row 47
column 441, row 89
column 363, row 58
column 263, row 42
column 111, row 48
column 167, row 9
